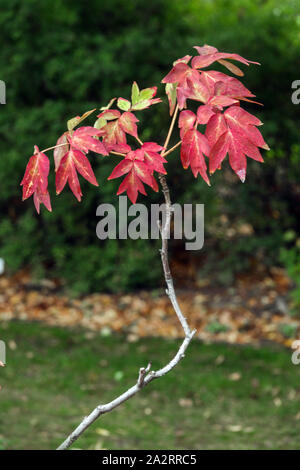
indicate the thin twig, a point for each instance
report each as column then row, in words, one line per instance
column 164, row 257
column 139, row 140
column 54, row 147
column 118, row 153
column 170, row 129
column 164, row 154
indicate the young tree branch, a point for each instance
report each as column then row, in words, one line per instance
column 145, row 375
column 164, row 154
column 171, row 128
column 54, row 147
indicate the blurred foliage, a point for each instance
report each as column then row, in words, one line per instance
column 62, row 58
column 291, row 259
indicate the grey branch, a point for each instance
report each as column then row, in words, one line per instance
column 142, row 374
column 145, row 374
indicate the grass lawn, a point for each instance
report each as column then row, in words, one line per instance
column 219, row 397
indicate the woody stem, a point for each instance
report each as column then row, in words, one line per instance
column 170, row 130
column 54, row 147
column 171, row 149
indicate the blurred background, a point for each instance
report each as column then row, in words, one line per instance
column 60, row 58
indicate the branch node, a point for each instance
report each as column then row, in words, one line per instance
column 142, row 374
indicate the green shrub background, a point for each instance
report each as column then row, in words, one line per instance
column 60, row 58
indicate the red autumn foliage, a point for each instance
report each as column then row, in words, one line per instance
column 229, row 130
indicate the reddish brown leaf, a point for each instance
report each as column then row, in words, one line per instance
column 194, row 144
column 36, row 174
column 60, row 151
column 74, row 161
column 83, row 139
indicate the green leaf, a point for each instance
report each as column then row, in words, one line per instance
column 135, row 93
column 77, row 119
column 171, row 92
column 146, row 94
column 141, row 105
column 72, row 123
column 123, row 104
column 104, row 108
column 101, row 122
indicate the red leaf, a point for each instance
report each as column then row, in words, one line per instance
column 179, row 73
column 243, row 122
column 206, row 49
column 113, row 133
column 132, row 185
column 42, row 198
column 232, row 86
column 151, row 146
column 121, row 148
column 184, row 59
column 59, row 152
column 154, row 184
column 192, row 89
column 136, row 155
column 35, row 180
column 83, row 139
column 237, row 157
column 109, row 114
column 186, row 121
column 143, row 172
column 155, row 162
column 140, row 165
column 234, row 133
column 216, row 126
column 222, row 101
column 36, row 174
column 121, row 169
column 204, row 113
column 240, row 115
column 209, row 54
column 74, row 161
column 127, row 122
column 194, row 144
column 218, row 152
column 189, row 84
column 152, row 158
